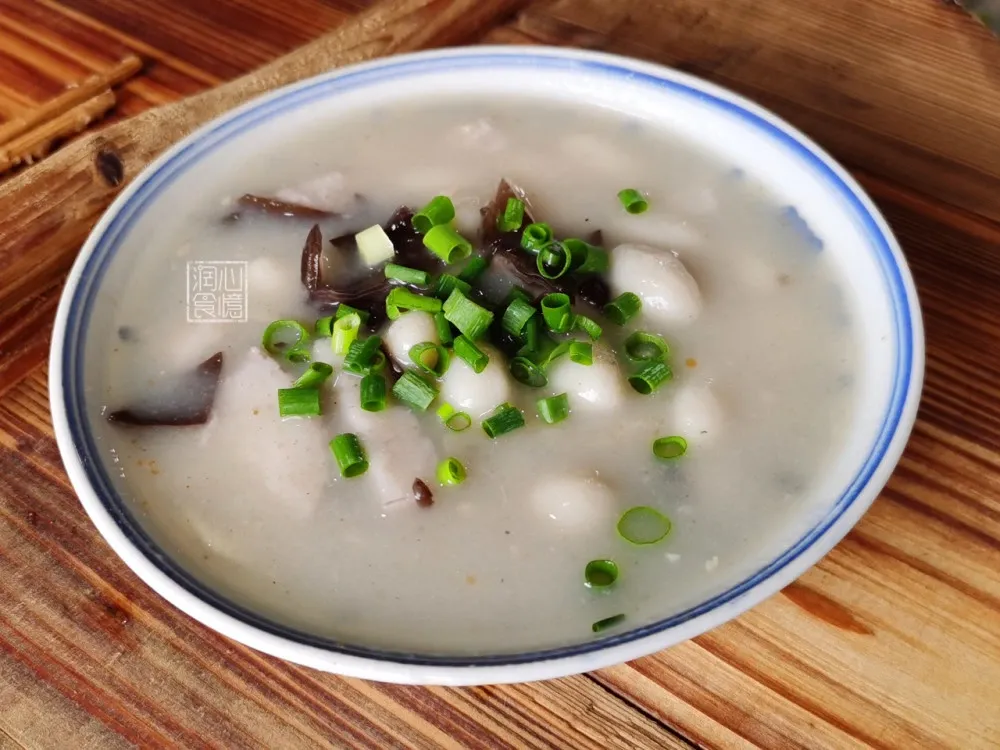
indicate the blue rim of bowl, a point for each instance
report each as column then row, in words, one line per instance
column 107, row 244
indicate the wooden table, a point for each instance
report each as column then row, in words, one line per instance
column 892, row 641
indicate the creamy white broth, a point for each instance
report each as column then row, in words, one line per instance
column 254, row 506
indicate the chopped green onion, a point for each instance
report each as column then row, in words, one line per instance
column 553, row 260
column 632, row 201
column 597, row 261
column 547, row 352
column 440, row 210
column 578, row 251
column 517, row 292
column 643, row 525
column 405, row 274
column 344, row 310
column 456, row 421
column 505, row 418
column 471, row 354
column 362, row 355
column 607, row 622
column 378, row 363
column 532, row 335
column 588, row 326
column 373, row 393
column 447, row 244
column 314, row 376
column 459, row 421
column 451, row 471
column 554, row 408
column 430, row 357
column 670, row 447
column 443, row 328
column 523, row 370
column 516, row 315
column 512, row 217
column 505, row 342
column 623, row 308
column 650, row 377
column 468, row 317
column 557, row 312
column 349, row 454
column 324, row 327
column 446, row 284
column 299, row 354
column 414, row 391
column 401, row 300
column 298, row 402
column 475, row 268
column 288, row 338
column 453, row 300
column 374, row 245
column 507, row 345
column 646, row 347
column 581, row 352
column 345, row 331
column 535, row 236
column 600, row 573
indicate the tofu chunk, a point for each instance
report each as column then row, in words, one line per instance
column 288, row 457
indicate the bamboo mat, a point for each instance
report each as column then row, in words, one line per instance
column 892, row 641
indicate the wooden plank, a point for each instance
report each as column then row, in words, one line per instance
column 223, row 38
column 86, row 33
column 71, row 97
column 55, row 35
column 905, row 89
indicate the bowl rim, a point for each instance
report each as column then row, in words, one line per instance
column 158, row 571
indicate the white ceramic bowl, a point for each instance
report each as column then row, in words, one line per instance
column 750, row 137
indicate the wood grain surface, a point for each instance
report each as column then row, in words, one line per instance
column 892, row 641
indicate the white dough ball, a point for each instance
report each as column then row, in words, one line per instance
column 322, row 351
column 669, row 294
column 595, row 387
column 476, row 393
column 574, row 503
column 697, row 414
column 408, row 330
column 467, row 216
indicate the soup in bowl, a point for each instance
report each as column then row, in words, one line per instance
column 484, row 365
